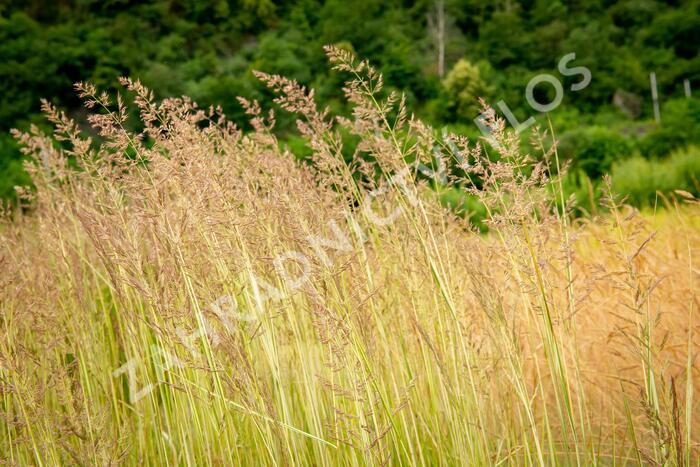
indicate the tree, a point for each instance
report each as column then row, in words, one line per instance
column 464, row 85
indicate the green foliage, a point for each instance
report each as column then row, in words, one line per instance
column 501, row 38
column 464, row 205
column 594, row 149
column 680, row 121
column 585, row 191
column 298, row 146
column 11, row 169
column 464, row 85
column 640, row 179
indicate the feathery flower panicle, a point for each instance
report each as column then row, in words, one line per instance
column 190, row 293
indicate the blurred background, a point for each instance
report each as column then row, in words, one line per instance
column 442, row 54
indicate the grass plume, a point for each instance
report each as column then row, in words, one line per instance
column 190, row 294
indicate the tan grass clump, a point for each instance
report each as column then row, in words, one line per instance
column 193, row 295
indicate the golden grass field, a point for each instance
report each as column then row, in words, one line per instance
column 208, row 300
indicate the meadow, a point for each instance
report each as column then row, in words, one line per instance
column 193, row 294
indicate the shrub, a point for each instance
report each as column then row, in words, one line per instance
column 640, row 179
column 594, row 149
column 464, row 85
column 680, row 119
